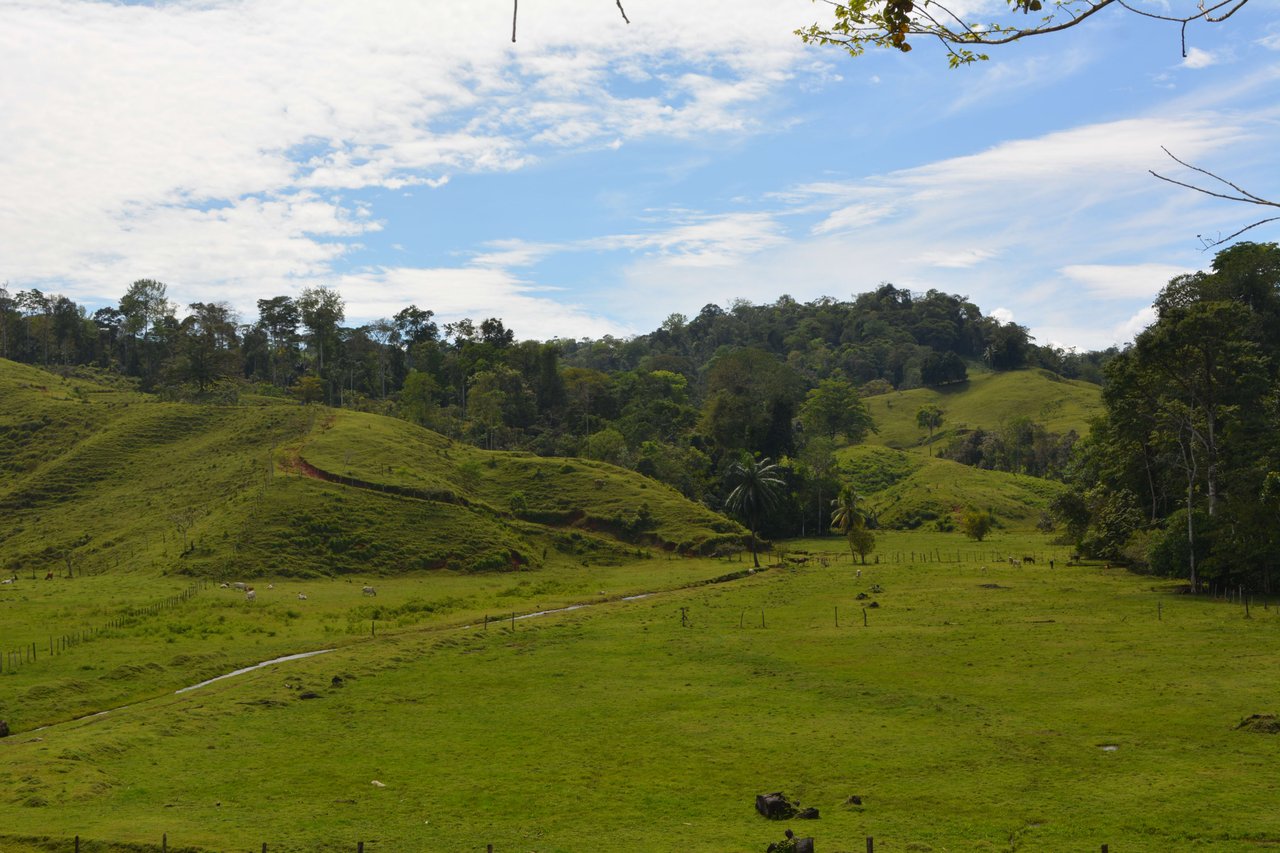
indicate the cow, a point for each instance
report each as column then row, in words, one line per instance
column 1028, row 559
column 368, row 590
column 250, row 595
column 1015, row 562
column 224, row 585
column 49, row 575
column 271, row 586
column 302, row 596
column 240, row 586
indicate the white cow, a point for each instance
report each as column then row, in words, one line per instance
column 250, row 595
column 302, row 596
column 368, row 590
column 240, row 586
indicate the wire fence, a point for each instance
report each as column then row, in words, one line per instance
column 15, row 657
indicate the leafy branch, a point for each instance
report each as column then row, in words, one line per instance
column 892, row 24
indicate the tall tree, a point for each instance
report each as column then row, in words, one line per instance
column 929, row 418
column 834, row 407
column 756, row 487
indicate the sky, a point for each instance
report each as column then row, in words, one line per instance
column 597, row 176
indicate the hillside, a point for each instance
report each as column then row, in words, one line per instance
column 102, row 479
column 986, row 400
column 908, row 491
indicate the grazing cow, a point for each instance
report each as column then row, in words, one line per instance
column 224, row 585
column 1028, row 559
column 368, row 590
column 302, row 596
column 7, row 580
column 271, row 586
column 1015, row 562
column 250, row 595
column 49, row 576
column 240, row 586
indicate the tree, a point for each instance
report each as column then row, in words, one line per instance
column 309, row 389
column 976, row 524
column 278, row 316
column 756, row 486
column 930, row 418
column 321, row 310
column 849, row 519
column 835, row 407
column 893, row 24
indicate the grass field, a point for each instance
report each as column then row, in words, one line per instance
column 986, row 400
column 907, row 490
column 981, row 707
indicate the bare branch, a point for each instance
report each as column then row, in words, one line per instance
column 628, row 20
column 1245, row 195
column 1211, row 243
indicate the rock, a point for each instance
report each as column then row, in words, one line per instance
column 874, row 604
column 854, row 800
column 875, row 587
column 807, row 814
column 309, row 695
column 4, row 728
column 337, row 681
column 862, row 596
column 1266, row 724
column 791, row 845
column 775, row 806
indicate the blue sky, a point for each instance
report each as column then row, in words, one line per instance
column 595, row 176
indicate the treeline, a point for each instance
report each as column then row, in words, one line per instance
column 1183, row 472
column 681, row 404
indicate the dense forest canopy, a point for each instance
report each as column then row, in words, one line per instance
column 1181, row 473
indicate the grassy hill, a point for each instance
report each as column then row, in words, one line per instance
column 907, row 490
column 986, row 400
column 97, row 478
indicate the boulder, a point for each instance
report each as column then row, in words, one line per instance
column 807, row 814
column 775, row 806
column 4, row 728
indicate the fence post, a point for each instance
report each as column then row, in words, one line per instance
column 871, row 844
column 77, row 844
column 164, row 843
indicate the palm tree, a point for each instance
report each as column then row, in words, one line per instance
column 851, row 521
column 755, row 490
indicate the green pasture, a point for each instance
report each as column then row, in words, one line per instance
column 910, row 491
column 101, row 641
column 980, row 707
column 985, row 400
column 588, row 494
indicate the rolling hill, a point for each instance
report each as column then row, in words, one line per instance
column 99, row 478
column 986, row 400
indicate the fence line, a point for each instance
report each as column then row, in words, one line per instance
column 15, row 657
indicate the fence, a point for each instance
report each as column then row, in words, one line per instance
column 360, row 847
column 16, row 656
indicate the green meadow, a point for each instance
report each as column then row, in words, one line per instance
column 985, row 400
column 980, row 707
column 969, row 704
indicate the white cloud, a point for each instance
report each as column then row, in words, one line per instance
column 1004, row 315
column 1128, row 281
column 1197, row 58
column 470, row 292
column 187, row 140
